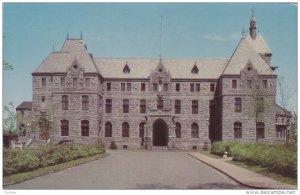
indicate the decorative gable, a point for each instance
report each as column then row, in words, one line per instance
column 249, row 71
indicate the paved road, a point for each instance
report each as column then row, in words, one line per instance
column 133, row 169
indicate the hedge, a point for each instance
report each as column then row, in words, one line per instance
column 17, row 160
column 278, row 158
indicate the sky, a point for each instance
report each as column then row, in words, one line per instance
column 132, row 30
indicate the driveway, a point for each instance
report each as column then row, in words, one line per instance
column 135, row 169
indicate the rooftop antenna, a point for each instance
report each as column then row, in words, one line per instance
column 161, row 31
column 81, row 37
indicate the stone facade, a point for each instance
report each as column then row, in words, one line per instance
column 146, row 103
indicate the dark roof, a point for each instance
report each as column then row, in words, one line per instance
column 281, row 112
column 25, row 106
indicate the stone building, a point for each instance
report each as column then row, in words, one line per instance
column 146, row 103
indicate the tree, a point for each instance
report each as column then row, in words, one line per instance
column 284, row 95
column 44, row 125
column 293, row 135
column 9, row 117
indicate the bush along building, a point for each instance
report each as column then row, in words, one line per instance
column 148, row 103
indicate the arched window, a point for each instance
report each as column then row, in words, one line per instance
column 178, row 130
column 260, row 130
column 126, row 69
column 64, row 102
column 142, row 129
column 195, row 130
column 85, row 128
column 125, row 129
column 108, row 129
column 237, row 104
column 64, row 127
column 237, row 127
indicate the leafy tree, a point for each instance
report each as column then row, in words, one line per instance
column 294, row 129
column 9, row 117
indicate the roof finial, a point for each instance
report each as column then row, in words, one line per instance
column 81, row 36
column 53, row 47
column 67, row 36
column 252, row 10
column 161, row 31
column 243, row 32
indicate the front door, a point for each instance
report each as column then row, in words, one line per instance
column 160, row 133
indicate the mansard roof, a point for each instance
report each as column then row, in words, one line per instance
column 177, row 68
column 242, row 55
column 73, row 49
column 258, row 44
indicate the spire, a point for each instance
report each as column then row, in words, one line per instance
column 161, row 31
column 252, row 28
column 81, row 36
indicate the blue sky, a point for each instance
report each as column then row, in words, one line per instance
column 194, row 30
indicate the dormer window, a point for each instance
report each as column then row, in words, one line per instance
column 75, row 66
column 126, row 69
column 160, row 70
column 195, row 69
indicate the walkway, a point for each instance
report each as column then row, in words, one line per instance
column 241, row 175
column 135, row 169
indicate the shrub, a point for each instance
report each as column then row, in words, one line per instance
column 113, row 145
column 278, row 158
column 16, row 161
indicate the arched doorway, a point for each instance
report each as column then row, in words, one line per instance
column 160, row 133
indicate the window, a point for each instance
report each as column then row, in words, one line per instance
column 85, row 128
column 237, row 127
column 265, row 84
column 166, row 86
column 195, row 130
column 195, row 69
column 177, row 130
column 128, row 86
column 62, row 81
column 195, row 106
column 122, row 86
column 108, row 129
column 192, row 87
column 280, row 133
column 87, row 82
column 260, row 130
column 160, row 104
column 143, row 87
column 249, row 84
column 197, row 87
column 126, row 106
column 43, row 82
column 108, row 105
column 155, row 86
column 142, row 129
column 177, row 86
column 75, row 82
column 177, row 106
column 142, row 106
column 85, row 102
column 64, row 127
column 64, row 102
column 108, row 86
column 234, row 84
column 212, row 87
column 125, row 129
column 43, row 98
column 22, row 113
column 126, row 69
column 260, row 104
column 237, row 104
column 22, row 130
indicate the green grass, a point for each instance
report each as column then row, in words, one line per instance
column 266, row 172
column 20, row 177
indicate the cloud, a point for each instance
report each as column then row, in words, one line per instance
column 214, row 37
column 221, row 38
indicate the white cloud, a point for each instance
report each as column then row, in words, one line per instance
column 214, row 37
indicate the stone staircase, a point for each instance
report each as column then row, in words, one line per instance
column 160, row 148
